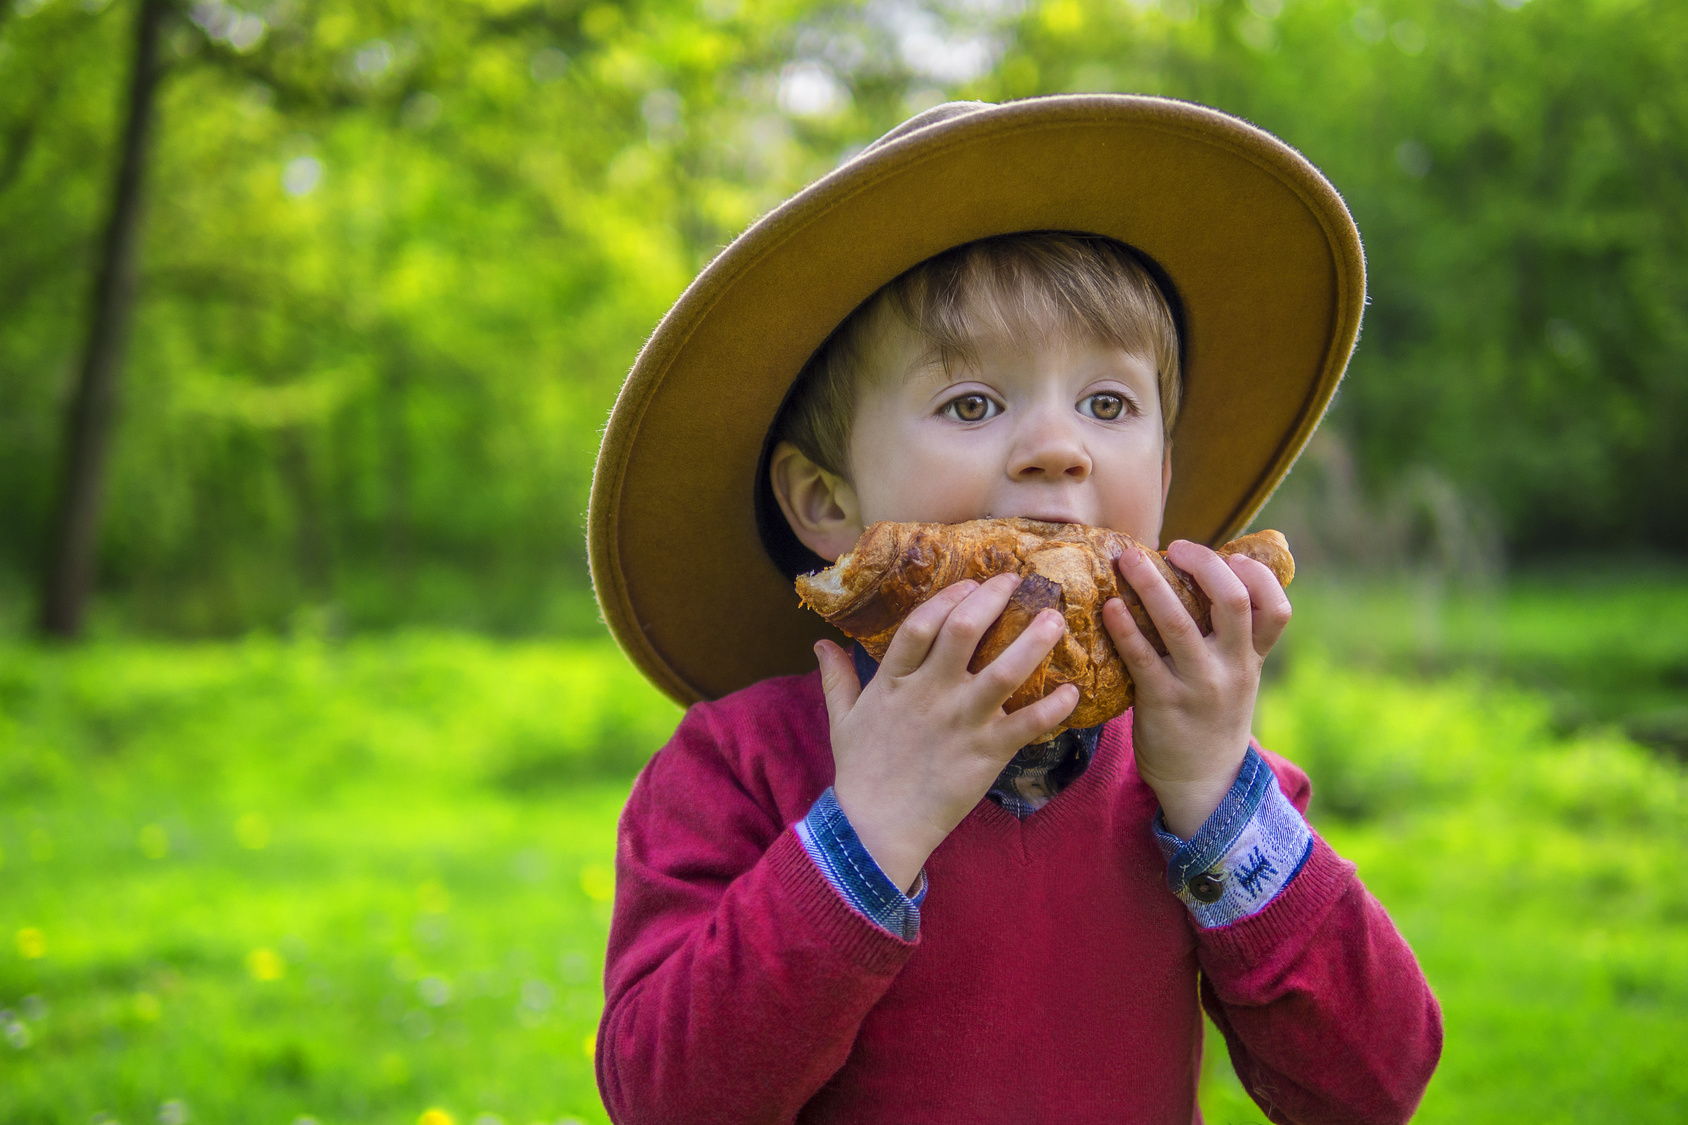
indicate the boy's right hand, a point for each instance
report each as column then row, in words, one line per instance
column 921, row 744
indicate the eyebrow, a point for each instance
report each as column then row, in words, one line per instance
column 925, row 366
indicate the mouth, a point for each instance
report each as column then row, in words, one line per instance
column 1044, row 516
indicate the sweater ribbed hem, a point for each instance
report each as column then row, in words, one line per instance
column 864, row 944
column 1290, row 919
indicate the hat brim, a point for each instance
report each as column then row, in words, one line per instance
column 1262, row 251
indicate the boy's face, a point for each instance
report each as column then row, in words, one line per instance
column 1067, row 430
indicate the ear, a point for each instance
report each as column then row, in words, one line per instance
column 820, row 506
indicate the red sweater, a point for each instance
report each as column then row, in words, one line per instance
column 1054, row 978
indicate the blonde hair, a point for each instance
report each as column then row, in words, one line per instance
column 1020, row 287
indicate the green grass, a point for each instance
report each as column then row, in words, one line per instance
column 274, row 879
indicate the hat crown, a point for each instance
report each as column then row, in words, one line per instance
column 944, row 111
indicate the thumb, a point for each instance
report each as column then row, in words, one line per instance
column 838, row 680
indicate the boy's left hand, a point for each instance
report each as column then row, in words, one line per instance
column 1195, row 706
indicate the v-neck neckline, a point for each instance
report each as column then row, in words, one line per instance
column 1105, row 765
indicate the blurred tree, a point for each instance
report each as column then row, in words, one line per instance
column 69, row 575
column 399, row 255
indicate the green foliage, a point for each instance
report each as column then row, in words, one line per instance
column 1516, row 171
column 1602, row 648
column 398, row 256
column 397, row 261
column 357, row 880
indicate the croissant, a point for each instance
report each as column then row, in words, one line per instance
column 894, row 567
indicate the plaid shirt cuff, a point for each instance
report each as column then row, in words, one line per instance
column 836, row 849
column 1244, row 855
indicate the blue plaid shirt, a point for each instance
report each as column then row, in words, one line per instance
column 1239, row 860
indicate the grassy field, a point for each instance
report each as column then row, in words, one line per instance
column 267, row 880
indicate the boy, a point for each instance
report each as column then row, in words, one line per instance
column 867, row 893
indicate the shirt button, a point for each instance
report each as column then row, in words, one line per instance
column 1206, row 887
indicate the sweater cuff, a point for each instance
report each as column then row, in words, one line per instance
column 1250, row 849
column 833, row 924
column 1286, row 925
column 831, row 842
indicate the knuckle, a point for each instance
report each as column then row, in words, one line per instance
column 919, row 629
column 1181, row 627
column 930, row 611
column 1141, row 643
column 1137, row 646
column 920, row 624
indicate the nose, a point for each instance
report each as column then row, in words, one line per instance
column 1049, row 449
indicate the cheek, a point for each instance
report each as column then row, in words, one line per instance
column 1129, row 483
column 925, row 477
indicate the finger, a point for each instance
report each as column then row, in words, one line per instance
column 839, row 682
column 1229, row 597
column 967, row 623
column 1003, row 676
column 1177, row 628
column 919, row 629
column 1145, row 664
column 1271, row 609
column 1038, row 718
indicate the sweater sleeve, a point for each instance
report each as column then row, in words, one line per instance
column 736, row 977
column 1324, row 1010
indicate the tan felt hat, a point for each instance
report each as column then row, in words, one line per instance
column 1263, row 261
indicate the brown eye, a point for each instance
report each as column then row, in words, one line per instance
column 1103, row 406
column 971, row 408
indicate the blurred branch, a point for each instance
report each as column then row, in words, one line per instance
column 20, row 138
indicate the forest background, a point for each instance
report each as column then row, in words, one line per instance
column 397, row 257
column 316, row 824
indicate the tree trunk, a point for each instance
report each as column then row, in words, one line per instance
column 395, row 442
column 69, row 576
column 316, row 568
